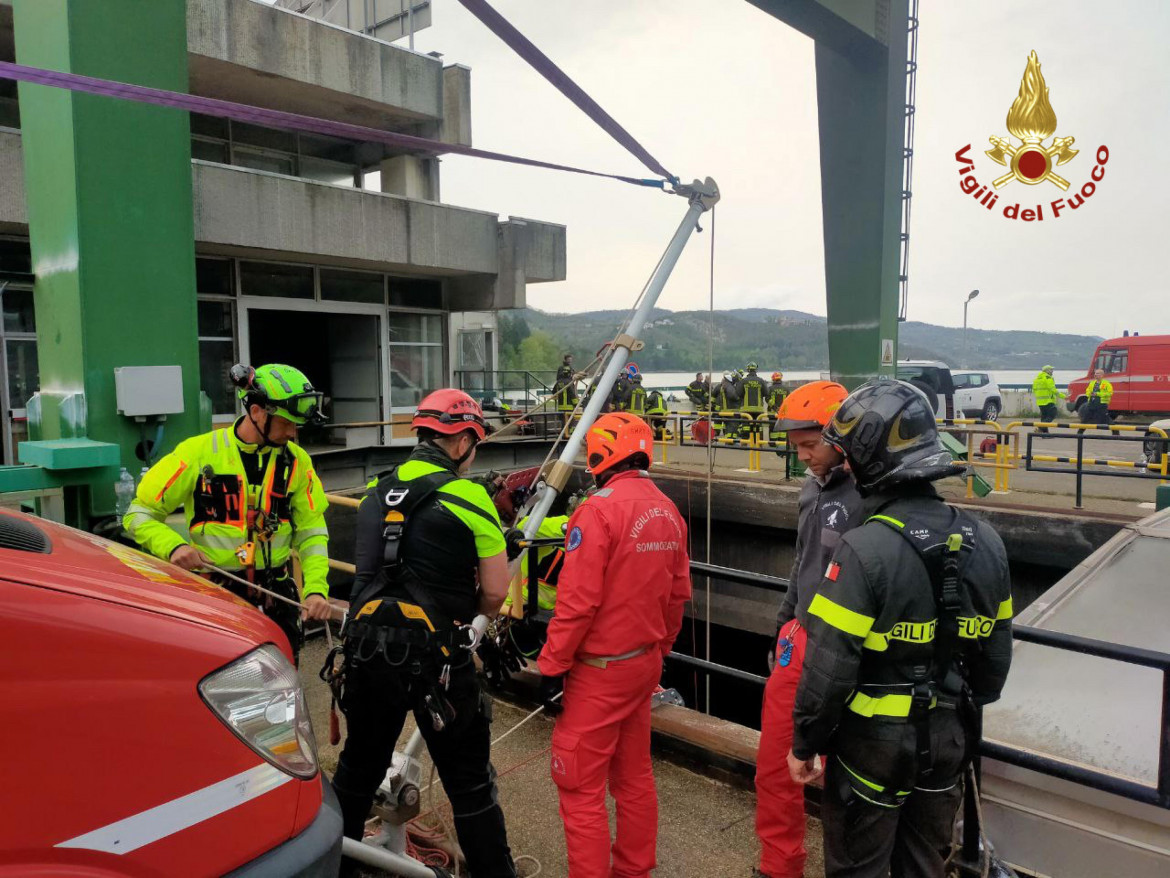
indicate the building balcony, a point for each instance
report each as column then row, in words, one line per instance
column 485, row 263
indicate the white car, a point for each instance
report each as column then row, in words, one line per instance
column 977, row 395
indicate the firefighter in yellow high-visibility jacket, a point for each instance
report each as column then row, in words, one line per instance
column 250, row 496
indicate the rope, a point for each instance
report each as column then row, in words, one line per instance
column 710, row 435
column 278, row 118
column 229, row 575
column 544, row 65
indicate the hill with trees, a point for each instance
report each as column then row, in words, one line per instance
column 678, row 341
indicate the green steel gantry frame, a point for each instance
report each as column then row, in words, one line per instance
column 861, row 96
column 108, row 185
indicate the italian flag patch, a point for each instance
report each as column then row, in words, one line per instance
column 832, row 571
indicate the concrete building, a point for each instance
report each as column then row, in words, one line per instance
column 337, row 257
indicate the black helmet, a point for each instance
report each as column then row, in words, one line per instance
column 886, row 431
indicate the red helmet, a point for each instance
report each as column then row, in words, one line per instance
column 449, row 412
column 616, row 437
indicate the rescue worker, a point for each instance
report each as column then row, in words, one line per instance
column 725, row 399
column 565, row 387
column 1044, row 389
column 1098, row 394
column 619, row 397
column 754, row 396
column 424, row 535
column 636, row 401
column 827, row 509
column 250, row 496
column 657, row 411
column 909, row 635
column 776, row 393
column 620, row 602
column 699, row 392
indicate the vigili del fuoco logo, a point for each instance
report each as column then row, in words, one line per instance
column 1031, row 121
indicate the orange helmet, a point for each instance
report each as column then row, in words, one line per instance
column 811, row 406
column 616, row 437
column 449, row 412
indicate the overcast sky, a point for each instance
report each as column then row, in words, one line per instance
column 719, row 88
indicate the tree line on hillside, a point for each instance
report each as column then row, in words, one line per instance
column 535, row 341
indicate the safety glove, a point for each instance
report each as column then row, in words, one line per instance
column 552, row 690
column 492, row 481
column 512, row 539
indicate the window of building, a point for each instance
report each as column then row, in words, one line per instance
column 214, row 277
column 9, row 106
column 264, row 160
column 416, row 357
column 19, row 316
column 23, row 374
column 15, row 254
column 353, row 286
column 409, row 292
column 217, row 354
column 275, row 279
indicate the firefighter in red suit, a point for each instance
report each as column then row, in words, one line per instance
column 625, row 580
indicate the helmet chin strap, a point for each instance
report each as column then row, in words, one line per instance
column 264, row 440
column 458, row 461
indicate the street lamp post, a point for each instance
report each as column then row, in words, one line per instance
column 970, row 296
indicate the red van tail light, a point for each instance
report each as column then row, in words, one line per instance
column 259, row 698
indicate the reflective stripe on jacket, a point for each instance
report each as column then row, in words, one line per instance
column 546, row 594
column 1044, row 388
column 1102, row 393
column 872, row 624
column 205, row 475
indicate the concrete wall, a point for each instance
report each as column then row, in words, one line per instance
column 253, row 210
column 13, row 211
column 237, row 48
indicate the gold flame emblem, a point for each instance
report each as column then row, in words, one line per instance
column 1032, row 120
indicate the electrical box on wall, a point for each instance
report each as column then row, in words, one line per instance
column 148, row 391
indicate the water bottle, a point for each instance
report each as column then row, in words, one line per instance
column 124, row 490
column 142, row 475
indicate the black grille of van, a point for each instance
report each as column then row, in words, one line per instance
column 22, row 535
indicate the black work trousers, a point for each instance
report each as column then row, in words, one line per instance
column 286, row 616
column 375, row 702
column 866, row 840
column 1095, row 412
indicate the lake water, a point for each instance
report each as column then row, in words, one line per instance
column 662, row 380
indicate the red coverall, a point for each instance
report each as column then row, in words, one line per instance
column 625, row 579
column 779, row 799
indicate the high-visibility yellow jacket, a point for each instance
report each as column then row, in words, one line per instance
column 205, row 474
column 1044, row 389
column 1099, row 391
column 546, row 592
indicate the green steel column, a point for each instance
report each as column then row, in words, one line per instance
column 110, row 216
column 861, row 96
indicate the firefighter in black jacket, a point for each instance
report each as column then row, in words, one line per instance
column 431, row 567
column 908, row 635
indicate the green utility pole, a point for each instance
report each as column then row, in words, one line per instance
column 108, row 185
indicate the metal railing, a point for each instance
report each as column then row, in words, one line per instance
column 1158, row 795
column 493, row 383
